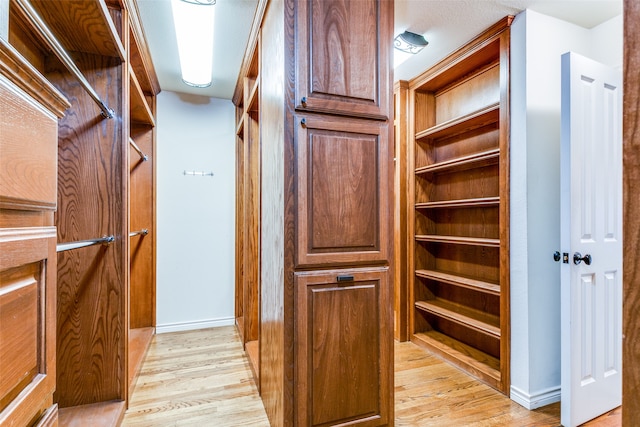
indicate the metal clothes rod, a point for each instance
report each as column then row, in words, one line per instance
column 143, row 156
column 142, row 232
column 61, row 247
column 62, row 54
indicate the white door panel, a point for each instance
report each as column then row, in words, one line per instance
column 591, row 225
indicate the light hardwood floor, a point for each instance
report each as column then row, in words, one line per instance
column 202, row 378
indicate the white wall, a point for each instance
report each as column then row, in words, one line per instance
column 195, row 214
column 537, row 43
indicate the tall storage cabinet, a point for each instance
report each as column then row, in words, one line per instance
column 459, row 227
column 324, row 215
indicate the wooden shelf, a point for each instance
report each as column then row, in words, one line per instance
column 252, row 102
column 103, row 414
column 477, row 119
column 240, row 127
column 139, row 341
column 139, row 55
column 477, row 320
column 473, row 361
column 253, row 354
column 465, row 282
column 459, row 240
column 139, row 107
column 88, row 28
column 461, row 163
column 461, row 203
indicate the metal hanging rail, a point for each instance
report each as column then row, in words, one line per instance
column 143, row 156
column 61, row 247
column 142, row 232
column 62, row 54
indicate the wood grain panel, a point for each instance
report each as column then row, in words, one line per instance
column 28, row 151
column 251, row 257
column 403, row 269
column 343, row 51
column 276, row 385
column 344, row 187
column 92, row 202
column 19, row 330
column 93, row 29
column 471, row 94
column 142, row 289
column 27, row 323
column 631, row 178
column 342, row 347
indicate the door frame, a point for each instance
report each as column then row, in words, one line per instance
column 631, row 222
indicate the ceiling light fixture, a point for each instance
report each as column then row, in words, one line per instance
column 409, row 42
column 193, row 20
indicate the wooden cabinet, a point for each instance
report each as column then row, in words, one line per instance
column 459, row 227
column 343, row 191
column 29, row 111
column 343, row 59
column 314, row 187
column 341, row 334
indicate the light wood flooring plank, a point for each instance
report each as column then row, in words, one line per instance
column 203, row 378
column 196, row 378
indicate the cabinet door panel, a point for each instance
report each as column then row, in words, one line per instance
column 343, row 50
column 27, row 322
column 343, row 186
column 28, row 156
column 343, row 347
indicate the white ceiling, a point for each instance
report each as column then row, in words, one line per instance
column 446, row 24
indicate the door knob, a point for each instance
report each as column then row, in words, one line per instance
column 578, row 258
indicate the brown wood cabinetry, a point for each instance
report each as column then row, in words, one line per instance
column 459, row 227
column 340, row 335
column 72, row 180
column 29, row 113
column 342, row 65
column 314, row 186
column 343, row 191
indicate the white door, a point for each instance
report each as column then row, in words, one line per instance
column 591, row 206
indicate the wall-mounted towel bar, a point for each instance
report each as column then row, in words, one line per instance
column 198, row 173
column 142, row 232
column 62, row 54
column 143, row 156
column 61, row 247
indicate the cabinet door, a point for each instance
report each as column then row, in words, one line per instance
column 27, row 322
column 344, row 183
column 343, row 57
column 343, row 347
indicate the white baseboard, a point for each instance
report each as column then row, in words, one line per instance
column 536, row 400
column 199, row 324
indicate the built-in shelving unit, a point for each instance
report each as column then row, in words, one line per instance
column 459, row 223
column 248, row 213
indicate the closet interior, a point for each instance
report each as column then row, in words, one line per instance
column 458, row 216
column 100, row 209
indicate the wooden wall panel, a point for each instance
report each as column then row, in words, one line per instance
column 141, row 216
column 342, row 331
column 28, row 157
column 402, row 269
column 92, row 282
column 631, row 168
column 343, row 57
column 343, row 191
column 276, row 347
column 27, row 323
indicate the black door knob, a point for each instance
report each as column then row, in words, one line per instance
column 578, row 258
